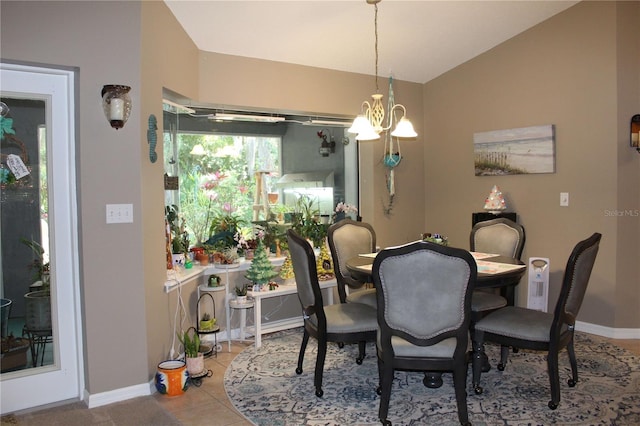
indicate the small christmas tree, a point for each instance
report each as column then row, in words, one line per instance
column 324, row 264
column 286, row 271
column 495, row 201
column 261, row 270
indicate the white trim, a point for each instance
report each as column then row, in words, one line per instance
column 612, row 333
column 117, row 395
column 65, row 379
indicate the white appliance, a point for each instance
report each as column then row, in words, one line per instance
column 538, row 291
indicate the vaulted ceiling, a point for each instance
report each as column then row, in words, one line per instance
column 417, row 40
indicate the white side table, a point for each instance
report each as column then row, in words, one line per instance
column 243, row 307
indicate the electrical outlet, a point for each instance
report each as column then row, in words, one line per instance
column 564, row 199
column 119, row 213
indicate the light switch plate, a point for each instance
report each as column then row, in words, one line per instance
column 119, row 213
column 564, row 199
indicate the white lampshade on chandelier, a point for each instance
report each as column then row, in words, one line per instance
column 368, row 125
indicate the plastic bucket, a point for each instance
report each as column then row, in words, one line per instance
column 172, row 378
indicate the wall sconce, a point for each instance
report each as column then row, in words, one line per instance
column 327, row 146
column 116, row 104
column 635, row 132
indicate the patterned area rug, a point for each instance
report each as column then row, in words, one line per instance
column 264, row 387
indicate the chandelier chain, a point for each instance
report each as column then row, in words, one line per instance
column 375, row 23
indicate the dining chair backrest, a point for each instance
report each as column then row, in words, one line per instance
column 348, row 238
column 306, row 274
column 574, row 284
column 500, row 236
column 424, row 292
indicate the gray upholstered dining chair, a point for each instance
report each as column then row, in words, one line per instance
column 347, row 239
column 500, row 236
column 424, row 303
column 341, row 322
column 542, row 331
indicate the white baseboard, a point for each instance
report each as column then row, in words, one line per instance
column 117, row 395
column 611, row 333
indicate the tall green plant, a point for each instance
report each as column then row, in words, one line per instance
column 191, row 344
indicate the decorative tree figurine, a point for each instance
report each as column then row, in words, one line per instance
column 261, row 270
column 324, row 264
column 495, row 201
column 286, row 271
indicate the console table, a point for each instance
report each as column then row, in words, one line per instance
column 284, row 324
column 482, row 216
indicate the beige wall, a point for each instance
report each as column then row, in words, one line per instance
column 169, row 59
column 108, row 162
column 237, row 81
column 562, row 72
column 545, row 76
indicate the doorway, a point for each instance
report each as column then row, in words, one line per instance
column 41, row 345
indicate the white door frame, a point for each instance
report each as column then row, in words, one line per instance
column 64, row 379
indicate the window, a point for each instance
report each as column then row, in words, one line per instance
column 217, row 177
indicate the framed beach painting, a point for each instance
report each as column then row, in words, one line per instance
column 515, row 151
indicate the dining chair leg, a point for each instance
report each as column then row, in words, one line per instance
column 386, row 380
column 361, row 351
column 303, row 347
column 460, row 384
column 554, row 378
column 504, row 356
column 322, row 354
column 478, row 352
column 574, row 364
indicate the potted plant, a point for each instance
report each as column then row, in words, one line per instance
column 241, row 294
column 13, row 353
column 306, row 222
column 179, row 236
column 193, row 357
column 207, row 322
column 38, row 302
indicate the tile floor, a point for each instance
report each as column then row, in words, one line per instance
column 208, row 404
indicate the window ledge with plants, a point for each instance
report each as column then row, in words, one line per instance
column 179, row 277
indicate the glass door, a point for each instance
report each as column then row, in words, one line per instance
column 38, row 249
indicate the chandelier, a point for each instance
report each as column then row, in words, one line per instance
column 371, row 122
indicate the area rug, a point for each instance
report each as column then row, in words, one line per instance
column 263, row 386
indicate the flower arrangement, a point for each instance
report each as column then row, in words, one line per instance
column 343, row 210
column 346, row 208
column 435, row 238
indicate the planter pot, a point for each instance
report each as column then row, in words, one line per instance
column 5, row 306
column 214, row 280
column 241, row 299
column 172, row 378
column 203, row 258
column 14, row 353
column 249, row 254
column 195, row 365
column 178, row 259
column 207, row 325
column 38, row 310
column 15, row 357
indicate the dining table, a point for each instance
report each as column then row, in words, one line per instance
column 494, row 271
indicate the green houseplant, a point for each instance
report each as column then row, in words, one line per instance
column 193, row 357
column 241, row 293
column 206, row 322
column 38, row 302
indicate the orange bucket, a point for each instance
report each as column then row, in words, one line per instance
column 172, row 378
